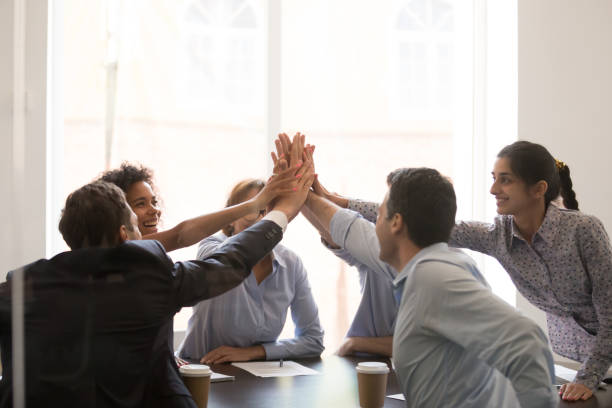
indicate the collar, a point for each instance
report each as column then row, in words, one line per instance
column 422, row 254
column 547, row 230
column 277, row 260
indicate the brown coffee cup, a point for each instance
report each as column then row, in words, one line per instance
column 197, row 380
column 372, row 381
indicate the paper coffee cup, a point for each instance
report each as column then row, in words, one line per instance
column 197, row 380
column 372, row 381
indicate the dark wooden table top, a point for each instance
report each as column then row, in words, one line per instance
column 336, row 387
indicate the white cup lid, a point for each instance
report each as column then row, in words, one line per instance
column 372, row 367
column 195, row 370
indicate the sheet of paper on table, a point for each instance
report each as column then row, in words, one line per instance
column 273, row 368
column 397, row 397
column 566, row 373
column 218, row 377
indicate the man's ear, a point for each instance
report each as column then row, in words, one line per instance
column 397, row 224
column 123, row 235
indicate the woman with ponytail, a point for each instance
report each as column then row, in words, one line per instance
column 559, row 258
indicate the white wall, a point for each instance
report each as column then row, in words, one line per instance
column 565, row 95
column 22, row 153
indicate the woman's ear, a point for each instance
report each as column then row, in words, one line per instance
column 540, row 188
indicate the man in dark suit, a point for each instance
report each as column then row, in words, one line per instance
column 97, row 318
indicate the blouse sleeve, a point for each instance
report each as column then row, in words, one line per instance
column 367, row 209
column 597, row 256
column 475, row 235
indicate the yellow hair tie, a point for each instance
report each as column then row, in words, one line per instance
column 559, row 164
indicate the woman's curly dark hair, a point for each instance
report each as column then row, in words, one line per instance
column 128, row 174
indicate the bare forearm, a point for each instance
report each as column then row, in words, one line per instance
column 382, row 346
column 192, row 231
column 322, row 209
column 312, row 218
column 338, row 200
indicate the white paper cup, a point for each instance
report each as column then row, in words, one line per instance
column 197, row 380
column 372, row 381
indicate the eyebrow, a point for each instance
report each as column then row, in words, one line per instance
column 137, row 200
column 502, row 174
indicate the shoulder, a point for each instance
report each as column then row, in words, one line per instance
column 210, row 244
column 143, row 249
column 216, row 239
column 288, row 257
column 584, row 224
column 444, row 275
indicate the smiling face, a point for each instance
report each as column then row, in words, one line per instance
column 144, row 203
column 512, row 194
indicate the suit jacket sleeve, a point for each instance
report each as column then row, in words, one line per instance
column 227, row 267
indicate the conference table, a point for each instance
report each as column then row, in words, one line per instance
column 335, row 386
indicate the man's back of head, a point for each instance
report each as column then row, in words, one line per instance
column 426, row 201
column 97, row 215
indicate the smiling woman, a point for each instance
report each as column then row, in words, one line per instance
column 137, row 183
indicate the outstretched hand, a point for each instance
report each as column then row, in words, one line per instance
column 291, row 203
column 280, row 183
column 288, row 153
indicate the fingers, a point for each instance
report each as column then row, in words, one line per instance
column 295, row 148
column 285, row 144
column 306, row 177
column 573, row 392
column 301, row 139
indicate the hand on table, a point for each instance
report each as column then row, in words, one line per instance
column 226, row 354
column 346, row 348
column 179, row 361
column 575, row 392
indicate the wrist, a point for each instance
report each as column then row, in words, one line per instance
column 339, row 200
column 257, row 352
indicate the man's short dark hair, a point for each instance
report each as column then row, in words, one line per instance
column 426, row 201
column 93, row 215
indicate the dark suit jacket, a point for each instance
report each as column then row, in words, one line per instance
column 97, row 320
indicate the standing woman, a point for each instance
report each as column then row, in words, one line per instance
column 559, row 259
column 139, row 188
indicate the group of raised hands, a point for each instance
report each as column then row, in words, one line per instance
column 293, row 176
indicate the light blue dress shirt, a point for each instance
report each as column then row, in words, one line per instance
column 455, row 343
column 253, row 314
column 566, row 271
column 375, row 315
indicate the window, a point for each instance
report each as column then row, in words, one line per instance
column 221, row 56
column 424, row 38
column 187, row 93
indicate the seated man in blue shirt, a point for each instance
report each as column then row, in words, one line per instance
column 455, row 343
column 371, row 331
